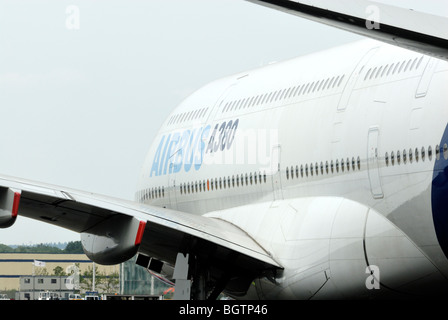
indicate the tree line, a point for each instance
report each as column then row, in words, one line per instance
column 72, row 247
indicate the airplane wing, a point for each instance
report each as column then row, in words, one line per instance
column 114, row 230
column 409, row 29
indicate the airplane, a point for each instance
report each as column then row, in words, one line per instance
column 320, row 177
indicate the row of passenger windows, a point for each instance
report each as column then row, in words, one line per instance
column 334, row 166
column 223, row 182
column 402, row 66
column 151, row 193
column 415, row 155
column 295, row 172
column 187, row 116
column 303, row 89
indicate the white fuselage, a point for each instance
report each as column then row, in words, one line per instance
column 327, row 161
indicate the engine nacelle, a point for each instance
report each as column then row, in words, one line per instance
column 332, row 247
column 9, row 206
column 114, row 240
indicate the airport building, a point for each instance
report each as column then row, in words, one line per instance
column 31, row 273
column 45, row 287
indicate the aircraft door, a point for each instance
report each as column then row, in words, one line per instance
column 425, row 80
column 172, row 190
column 372, row 163
column 276, row 173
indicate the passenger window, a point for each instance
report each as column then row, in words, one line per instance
column 401, row 66
column 385, row 69
column 287, row 173
column 411, row 157
column 419, row 62
column 398, row 157
column 359, row 163
column 413, row 64
column 416, row 155
column 311, row 88
column 390, row 69
column 429, row 151
column 367, row 74
column 437, row 152
column 306, row 88
column 445, row 151
column 396, row 66
column 386, row 157
column 407, row 65
column 297, row 171
column 404, row 156
column 392, row 158
column 423, row 153
column 379, row 72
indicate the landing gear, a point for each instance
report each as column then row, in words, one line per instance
column 183, row 284
column 190, row 277
column 205, row 274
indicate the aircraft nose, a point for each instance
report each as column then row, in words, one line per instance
column 439, row 193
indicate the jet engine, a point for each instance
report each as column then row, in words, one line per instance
column 9, row 206
column 114, row 240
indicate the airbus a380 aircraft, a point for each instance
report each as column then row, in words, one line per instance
column 320, row 177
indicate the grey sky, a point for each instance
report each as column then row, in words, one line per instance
column 80, row 107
